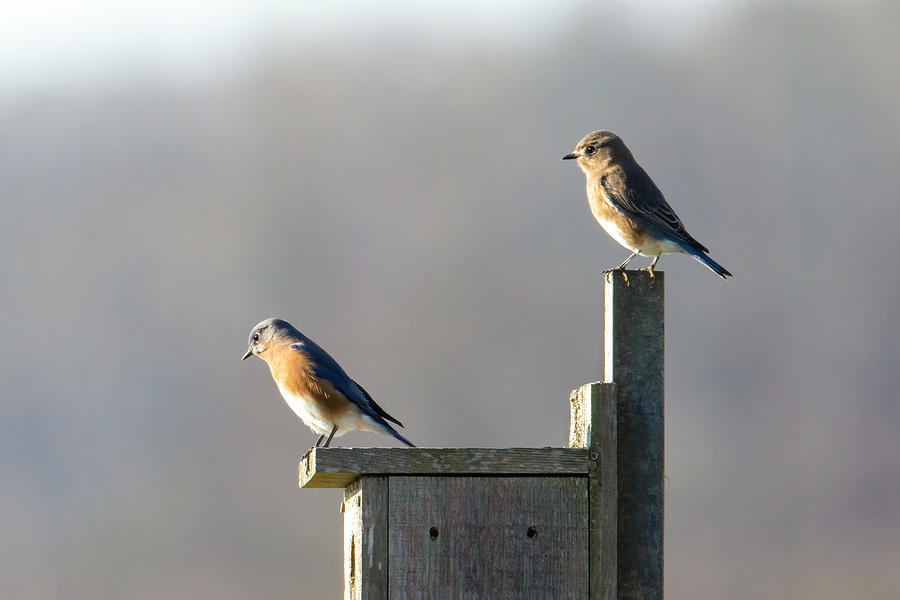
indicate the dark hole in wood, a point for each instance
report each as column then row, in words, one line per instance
column 532, row 532
column 433, row 532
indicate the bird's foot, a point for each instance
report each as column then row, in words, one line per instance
column 649, row 271
column 619, row 269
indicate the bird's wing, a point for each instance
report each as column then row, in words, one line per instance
column 635, row 194
column 325, row 367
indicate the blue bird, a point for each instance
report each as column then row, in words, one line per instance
column 630, row 207
column 315, row 386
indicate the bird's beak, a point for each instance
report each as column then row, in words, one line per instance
column 249, row 354
column 571, row 156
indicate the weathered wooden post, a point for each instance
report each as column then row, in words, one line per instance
column 634, row 353
column 523, row 523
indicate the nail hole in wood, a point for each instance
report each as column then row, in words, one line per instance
column 433, row 532
column 532, row 532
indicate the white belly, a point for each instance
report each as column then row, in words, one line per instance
column 351, row 419
column 612, row 228
column 648, row 246
column 308, row 413
column 655, row 247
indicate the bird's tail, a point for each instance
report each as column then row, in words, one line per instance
column 704, row 259
column 391, row 431
column 400, row 437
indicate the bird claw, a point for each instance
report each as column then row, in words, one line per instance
column 621, row 270
column 649, row 271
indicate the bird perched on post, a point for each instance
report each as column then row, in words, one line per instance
column 315, row 387
column 629, row 206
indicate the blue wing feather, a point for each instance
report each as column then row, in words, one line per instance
column 634, row 193
column 325, row 367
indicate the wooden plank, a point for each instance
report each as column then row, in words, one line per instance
column 590, row 409
column 337, row 467
column 353, row 528
column 593, row 425
column 365, row 508
column 634, row 358
column 488, row 537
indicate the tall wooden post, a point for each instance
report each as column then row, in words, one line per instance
column 634, row 357
column 582, row 522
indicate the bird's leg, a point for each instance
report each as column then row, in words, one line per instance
column 650, row 268
column 330, row 435
column 316, row 445
column 625, row 262
column 622, row 267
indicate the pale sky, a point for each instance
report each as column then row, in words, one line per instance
column 63, row 41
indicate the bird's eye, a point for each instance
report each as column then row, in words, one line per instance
column 255, row 337
column 590, row 149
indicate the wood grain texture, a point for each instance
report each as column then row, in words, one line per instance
column 338, row 467
column 634, row 358
column 593, row 425
column 365, row 508
column 591, row 408
column 488, row 538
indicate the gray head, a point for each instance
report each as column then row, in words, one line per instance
column 598, row 150
column 264, row 333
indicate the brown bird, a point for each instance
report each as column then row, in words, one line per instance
column 630, row 207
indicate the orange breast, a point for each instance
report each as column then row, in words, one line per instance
column 293, row 374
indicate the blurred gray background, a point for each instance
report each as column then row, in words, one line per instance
column 389, row 180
